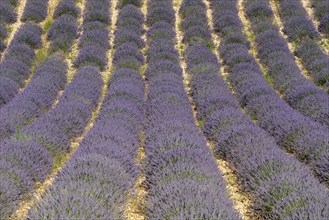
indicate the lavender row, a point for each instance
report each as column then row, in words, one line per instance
column 194, row 24
column 297, row 134
column 315, row 61
column 72, row 112
column 102, row 171
column 46, row 139
column 37, row 97
column 23, row 161
column 8, row 16
column 128, row 41
column 296, row 23
column 273, row 51
column 94, row 43
column 17, row 61
column 182, row 180
column 263, row 169
column 321, row 12
column 3, row 36
column 130, row 20
column 35, row 11
column 64, row 29
column 301, row 30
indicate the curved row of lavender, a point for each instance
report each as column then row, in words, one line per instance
column 287, row 78
column 46, row 140
column 96, row 181
column 64, row 30
column 93, row 44
column 301, row 31
column 8, row 16
column 182, row 180
column 37, row 98
column 299, row 135
column 263, row 169
column 55, row 129
column 23, row 163
column 18, row 60
column 35, row 11
column 296, row 23
column 321, row 12
column 315, row 61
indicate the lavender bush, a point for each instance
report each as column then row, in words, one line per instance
column 7, row 12
column 62, row 33
column 35, row 10
column 66, row 7
column 94, row 43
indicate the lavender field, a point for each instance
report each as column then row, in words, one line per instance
column 164, row 109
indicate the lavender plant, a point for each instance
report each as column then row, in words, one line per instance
column 92, row 51
column 35, row 10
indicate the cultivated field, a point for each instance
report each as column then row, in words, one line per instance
column 164, row 109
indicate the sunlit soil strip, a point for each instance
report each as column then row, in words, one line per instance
column 292, row 46
column 310, row 13
column 61, row 160
column 240, row 199
column 324, row 42
column 73, row 53
column 136, row 203
column 12, row 28
column 181, row 47
column 241, row 203
column 144, row 11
